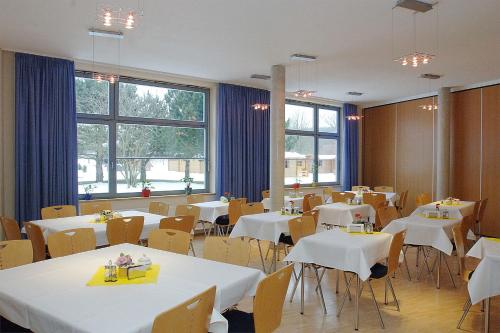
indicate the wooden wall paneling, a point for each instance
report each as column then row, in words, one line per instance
column 379, row 130
column 414, row 149
column 490, row 184
column 466, row 145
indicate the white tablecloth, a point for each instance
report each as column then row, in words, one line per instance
column 52, row 296
column 424, row 231
column 389, row 196
column 211, row 210
column 297, row 201
column 265, row 226
column 340, row 213
column 339, row 249
column 485, row 282
column 464, row 208
column 50, row 226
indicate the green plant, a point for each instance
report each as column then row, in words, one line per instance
column 146, row 185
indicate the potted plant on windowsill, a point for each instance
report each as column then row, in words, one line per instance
column 146, row 189
column 88, row 191
column 188, row 180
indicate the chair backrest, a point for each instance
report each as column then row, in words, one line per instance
column 265, row 194
column 360, row 188
column 269, row 299
column 35, row 235
column 94, row 207
column 314, row 213
column 376, row 200
column 387, row 214
column 342, row 196
column 383, row 189
column 15, row 253
column 124, row 230
column 192, row 316
column 170, row 240
column 234, row 251
column 482, row 208
column 459, row 231
column 252, row 208
column 423, row 199
column 10, row 228
column 301, row 227
column 54, row 212
column 188, row 210
column 183, row 223
column 403, row 196
column 195, row 198
column 305, row 202
column 234, row 210
column 394, row 251
column 314, row 201
column 159, row 208
column 71, row 241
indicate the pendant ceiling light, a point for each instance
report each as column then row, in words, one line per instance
column 260, row 106
column 301, row 92
column 118, row 17
column 433, row 105
column 102, row 76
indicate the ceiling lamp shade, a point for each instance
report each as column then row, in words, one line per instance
column 111, row 17
column 415, row 59
column 260, row 106
column 353, row 118
column 303, row 93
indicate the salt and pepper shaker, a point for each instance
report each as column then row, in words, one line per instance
column 110, row 272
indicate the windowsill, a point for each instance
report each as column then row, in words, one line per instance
column 140, row 197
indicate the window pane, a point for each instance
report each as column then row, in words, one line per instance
column 299, row 117
column 159, row 154
column 92, row 96
column 93, row 157
column 328, row 120
column 327, row 160
column 299, row 158
column 147, row 101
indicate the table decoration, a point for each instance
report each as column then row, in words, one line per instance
column 97, row 279
column 106, row 215
column 123, row 262
column 295, row 187
column 493, row 239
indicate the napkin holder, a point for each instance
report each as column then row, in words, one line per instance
column 137, row 271
column 432, row 214
column 355, row 227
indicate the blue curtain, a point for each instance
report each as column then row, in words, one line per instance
column 242, row 142
column 46, row 144
column 350, row 160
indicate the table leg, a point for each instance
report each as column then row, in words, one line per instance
column 302, row 289
column 487, row 316
column 261, row 257
column 438, row 283
column 356, row 304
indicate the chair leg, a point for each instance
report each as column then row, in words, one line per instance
column 320, row 289
column 320, row 279
column 261, row 257
column 467, row 306
column 385, row 292
column 337, row 282
column 347, row 287
column 376, row 304
column 449, row 271
column 348, row 284
column 296, row 285
column 192, row 247
column 392, row 292
column 406, row 265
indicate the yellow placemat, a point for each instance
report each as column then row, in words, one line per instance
column 448, row 205
column 434, row 218
column 360, row 233
column 493, row 239
column 98, row 279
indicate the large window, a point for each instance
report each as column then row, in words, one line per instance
column 135, row 131
column 311, row 143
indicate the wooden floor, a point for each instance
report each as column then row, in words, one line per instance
column 423, row 307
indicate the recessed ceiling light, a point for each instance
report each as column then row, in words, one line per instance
column 302, row 57
column 430, row 76
column 415, row 5
column 354, row 93
column 260, row 76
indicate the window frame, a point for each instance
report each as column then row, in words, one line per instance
column 113, row 119
column 316, row 134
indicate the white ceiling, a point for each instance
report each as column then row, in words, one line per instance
column 227, row 40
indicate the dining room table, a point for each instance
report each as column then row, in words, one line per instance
column 342, row 214
column 63, row 294
column 287, row 201
column 211, row 210
column 390, row 197
column 484, row 283
column 349, row 252
column 50, row 226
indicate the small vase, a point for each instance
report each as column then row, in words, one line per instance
column 146, row 192
column 188, row 190
column 87, row 196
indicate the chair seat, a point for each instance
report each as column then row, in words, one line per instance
column 9, row 327
column 239, row 321
column 378, row 271
column 286, row 239
column 222, row 220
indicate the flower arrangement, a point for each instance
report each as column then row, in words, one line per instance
column 226, row 197
column 88, row 191
column 358, row 217
column 146, row 189
column 124, row 260
column 295, row 187
column 188, row 180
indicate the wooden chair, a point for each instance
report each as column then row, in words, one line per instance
column 401, row 203
column 234, row 251
column 183, row 223
column 124, row 230
column 159, row 208
column 360, row 188
column 10, row 228
column 342, row 196
column 188, row 210
column 15, row 253
column 170, row 240
column 94, row 207
column 327, row 193
column 55, row 212
column 252, row 208
column 314, row 201
column 192, row 316
column 267, row 305
column 195, row 198
column 480, row 214
column 387, row 214
column 383, row 189
column 265, row 194
column 423, row 199
column 375, row 200
column 314, row 213
column 71, row 241
column 35, row 235
column 305, row 202
column 229, row 220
